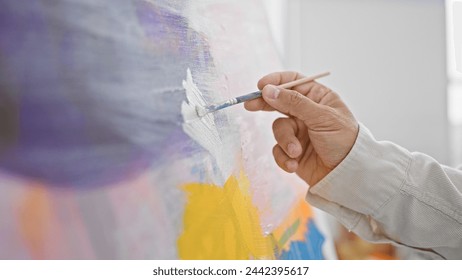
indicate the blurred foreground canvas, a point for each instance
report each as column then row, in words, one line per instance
column 96, row 161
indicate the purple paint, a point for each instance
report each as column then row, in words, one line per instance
column 89, row 82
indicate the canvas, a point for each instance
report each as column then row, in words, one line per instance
column 98, row 157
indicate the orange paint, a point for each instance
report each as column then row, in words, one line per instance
column 294, row 225
column 35, row 220
column 222, row 223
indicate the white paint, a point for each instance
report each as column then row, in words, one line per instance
column 201, row 111
column 196, row 20
column 203, row 130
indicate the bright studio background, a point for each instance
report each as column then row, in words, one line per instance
column 393, row 62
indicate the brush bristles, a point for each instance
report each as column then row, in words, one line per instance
column 201, row 111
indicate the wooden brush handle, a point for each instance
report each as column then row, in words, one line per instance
column 303, row 80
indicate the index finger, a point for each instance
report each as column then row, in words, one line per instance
column 278, row 78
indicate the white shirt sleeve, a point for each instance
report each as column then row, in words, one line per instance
column 384, row 193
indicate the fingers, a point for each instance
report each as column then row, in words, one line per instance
column 288, row 147
column 291, row 102
column 283, row 160
column 257, row 105
column 285, row 131
column 313, row 90
column 278, row 78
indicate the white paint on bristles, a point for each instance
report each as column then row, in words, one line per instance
column 203, row 129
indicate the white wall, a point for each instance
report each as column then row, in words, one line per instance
column 454, row 15
column 276, row 11
column 454, row 54
column 387, row 59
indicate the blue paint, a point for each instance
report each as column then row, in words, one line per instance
column 309, row 249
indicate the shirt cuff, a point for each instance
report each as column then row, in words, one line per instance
column 369, row 176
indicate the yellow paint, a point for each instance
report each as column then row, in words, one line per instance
column 301, row 212
column 222, row 223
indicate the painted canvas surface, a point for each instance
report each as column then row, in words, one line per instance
column 98, row 156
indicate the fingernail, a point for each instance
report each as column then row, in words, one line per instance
column 291, row 165
column 292, row 149
column 272, row 92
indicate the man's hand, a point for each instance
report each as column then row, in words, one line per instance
column 318, row 132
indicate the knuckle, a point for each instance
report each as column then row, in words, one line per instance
column 295, row 98
column 295, row 103
column 328, row 119
column 319, row 92
column 318, row 89
column 278, row 124
column 277, row 156
column 336, row 95
column 275, row 150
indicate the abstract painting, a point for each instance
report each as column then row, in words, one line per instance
column 98, row 157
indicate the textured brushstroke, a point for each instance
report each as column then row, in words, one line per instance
column 203, row 129
column 297, row 236
column 92, row 89
column 308, row 249
column 222, row 223
column 35, row 215
column 299, row 214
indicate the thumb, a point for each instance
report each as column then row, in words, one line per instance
column 291, row 102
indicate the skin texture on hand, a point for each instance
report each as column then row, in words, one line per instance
column 318, row 131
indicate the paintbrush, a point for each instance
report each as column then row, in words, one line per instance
column 202, row 111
